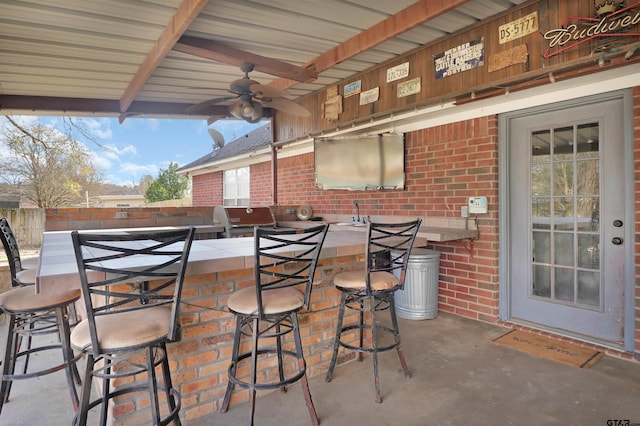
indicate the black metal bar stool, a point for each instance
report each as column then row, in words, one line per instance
column 128, row 326
column 32, row 316
column 23, row 271
column 285, row 263
column 372, row 290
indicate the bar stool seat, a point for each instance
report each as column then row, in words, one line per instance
column 24, row 299
column 277, row 301
column 379, row 281
column 32, row 315
column 124, row 329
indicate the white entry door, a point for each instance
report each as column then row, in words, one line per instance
column 567, row 224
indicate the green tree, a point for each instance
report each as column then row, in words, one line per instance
column 49, row 168
column 169, row 185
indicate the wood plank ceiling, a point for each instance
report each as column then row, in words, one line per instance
column 155, row 58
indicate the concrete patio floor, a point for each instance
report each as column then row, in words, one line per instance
column 459, row 377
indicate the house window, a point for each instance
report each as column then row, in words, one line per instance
column 236, row 187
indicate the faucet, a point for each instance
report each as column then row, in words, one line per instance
column 357, row 210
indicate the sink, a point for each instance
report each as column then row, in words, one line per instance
column 350, row 224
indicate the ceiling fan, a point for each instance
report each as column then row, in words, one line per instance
column 251, row 97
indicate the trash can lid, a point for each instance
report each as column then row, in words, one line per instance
column 423, row 253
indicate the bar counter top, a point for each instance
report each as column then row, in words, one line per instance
column 58, row 270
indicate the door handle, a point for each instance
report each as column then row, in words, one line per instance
column 616, row 241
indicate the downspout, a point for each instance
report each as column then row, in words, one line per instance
column 274, row 166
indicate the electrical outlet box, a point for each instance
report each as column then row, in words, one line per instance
column 464, row 211
column 477, row 205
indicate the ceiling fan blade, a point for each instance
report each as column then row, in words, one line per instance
column 209, row 102
column 288, row 106
column 268, row 91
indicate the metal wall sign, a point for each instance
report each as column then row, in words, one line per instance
column 519, row 28
column 410, row 87
column 369, row 96
column 398, row 72
column 460, row 58
column 352, row 88
column 612, row 19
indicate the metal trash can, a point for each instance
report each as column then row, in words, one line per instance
column 419, row 298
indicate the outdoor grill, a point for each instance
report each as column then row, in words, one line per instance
column 240, row 221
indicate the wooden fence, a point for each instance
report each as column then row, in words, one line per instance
column 27, row 225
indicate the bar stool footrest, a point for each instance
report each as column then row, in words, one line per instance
column 379, row 328
column 271, row 385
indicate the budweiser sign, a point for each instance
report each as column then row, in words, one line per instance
column 613, row 20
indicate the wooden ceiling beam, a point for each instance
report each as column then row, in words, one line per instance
column 210, row 49
column 186, row 12
column 408, row 18
column 104, row 107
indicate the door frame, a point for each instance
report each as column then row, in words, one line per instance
column 504, row 122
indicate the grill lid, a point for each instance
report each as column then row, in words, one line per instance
column 235, row 217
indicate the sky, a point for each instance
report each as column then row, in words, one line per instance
column 143, row 146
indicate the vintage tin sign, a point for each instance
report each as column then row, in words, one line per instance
column 460, row 58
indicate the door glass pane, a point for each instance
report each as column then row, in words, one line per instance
column 541, row 175
column 565, row 214
column 589, row 251
column 564, row 284
column 542, row 247
column 588, row 177
column 563, row 178
column 588, row 136
column 541, row 281
column 541, row 145
column 563, row 143
column 541, row 212
column 589, row 288
column 563, row 249
column 588, row 214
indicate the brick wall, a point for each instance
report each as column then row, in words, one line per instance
column 63, row 219
column 261, row 187
column 444, row 166
column 206, row 189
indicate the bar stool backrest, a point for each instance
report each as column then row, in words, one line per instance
column 286, row 258
column 132, row 272
column 388, row 248
column 11, row 249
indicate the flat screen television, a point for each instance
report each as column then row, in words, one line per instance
column 360, row 162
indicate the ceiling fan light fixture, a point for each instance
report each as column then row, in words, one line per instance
column 257, row 111
column 236, row 109
column 247, row 109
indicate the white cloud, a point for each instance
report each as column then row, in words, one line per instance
column 98, row 127
column 138, row 170
column 100, row 161
column 115, row 153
